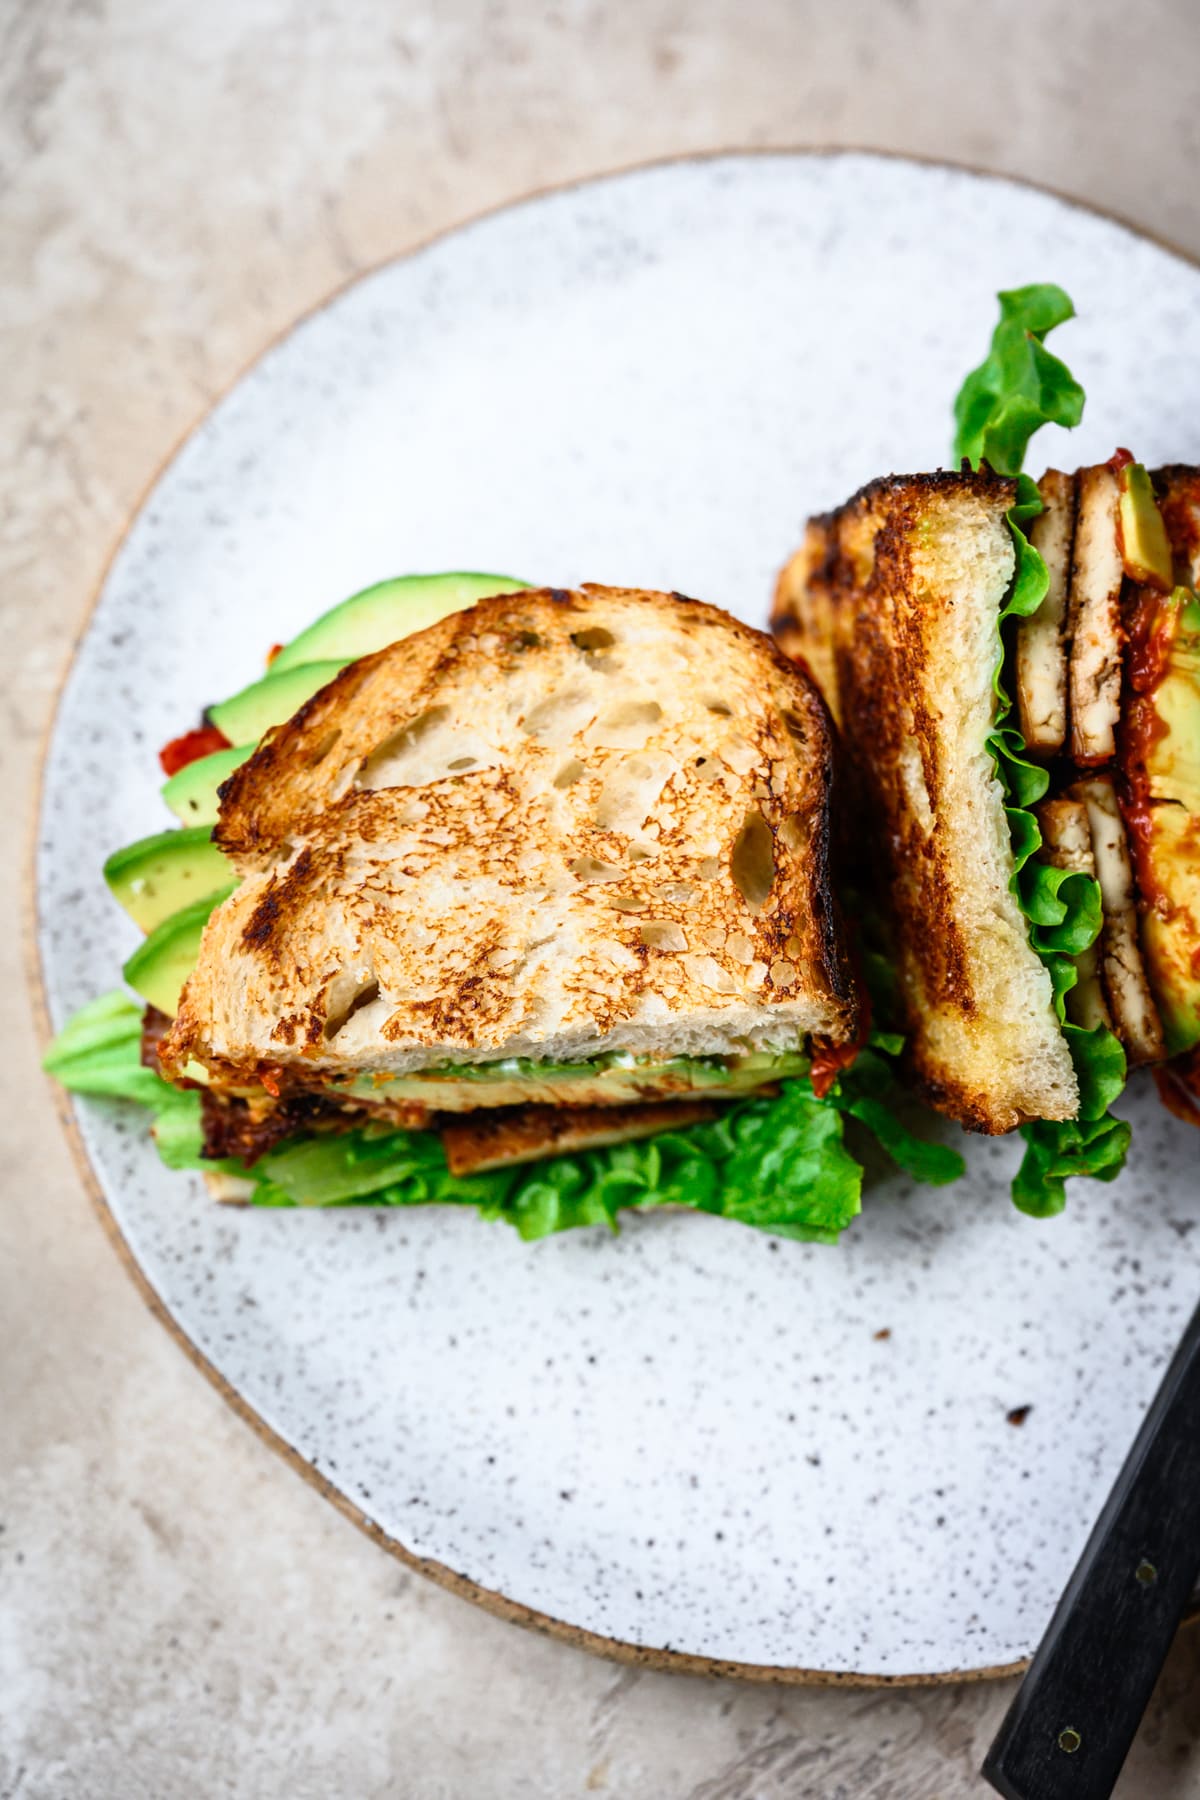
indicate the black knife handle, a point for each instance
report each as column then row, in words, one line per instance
column 1076, row 1713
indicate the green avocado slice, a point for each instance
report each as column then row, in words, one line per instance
column 1173, row 752
column 191, row 793
column 158, row 968
column 1169, row 835
column 1171, row 924
column 1145, row 549
column 462, row 1087
column 391, row 609
column 245, row 716
column 159, row 875
column 365, row 622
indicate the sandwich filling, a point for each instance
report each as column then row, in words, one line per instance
column 1124, row 776
column 1105, row 670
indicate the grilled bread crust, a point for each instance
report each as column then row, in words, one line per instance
column 893, row 602
column 553, row 824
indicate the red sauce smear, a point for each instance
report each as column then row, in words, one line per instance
column 191, row 747
column 272, row 653
column 1120, row 459
column 829, row 1059
column 1151, row 628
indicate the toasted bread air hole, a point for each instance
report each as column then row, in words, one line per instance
column 389, row 762
column 737, row 754
column 625, row 726
column 569, row 774
column 321, row 750
column 663, row 934
column 589, row 868
column 796, row 727
column 556, row 719
column 596, row 637
column 721, row 707
column 630, row 791
column 752, row 860
column 361, row 996
column 628, row 903
column 633, row 712
column 462, row 762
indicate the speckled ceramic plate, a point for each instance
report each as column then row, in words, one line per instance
column 691, row 1439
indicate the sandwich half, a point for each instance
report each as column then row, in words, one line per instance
column 508, row 898
column 895, row 601
column 1022, row 741
column 564, row 852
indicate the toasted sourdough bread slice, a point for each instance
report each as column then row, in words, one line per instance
column 552, row 825
column 894, row 602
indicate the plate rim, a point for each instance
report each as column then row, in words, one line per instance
column 491, row 1600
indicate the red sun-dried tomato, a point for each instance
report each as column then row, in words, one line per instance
column 191, row 747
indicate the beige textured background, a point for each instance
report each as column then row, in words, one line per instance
column 179, row 1614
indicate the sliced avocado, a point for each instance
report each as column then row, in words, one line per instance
column 459, row 1087
column 391, row 609
column 192, row 793
column 158, row 875
column 1170, row 854
column 1171, row 924
column 1172, row 754
column 158, row 968
column 1145, row 549
column 269, row 701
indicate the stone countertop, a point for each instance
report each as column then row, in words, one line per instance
column 179, row 1614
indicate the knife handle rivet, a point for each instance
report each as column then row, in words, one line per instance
column 1146, row 1573
column 1069, row 1740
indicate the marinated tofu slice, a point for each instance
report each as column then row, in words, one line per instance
column 529, row 1133
column 1041, row 639
column 1130, row 1001
column 1094, row 618
column 1067, row 844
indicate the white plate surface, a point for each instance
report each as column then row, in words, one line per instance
column 690, row 1437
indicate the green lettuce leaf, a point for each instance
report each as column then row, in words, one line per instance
column 1020, row 386
column 99, row 1052
column 1056, row 1150
column 862, row 1091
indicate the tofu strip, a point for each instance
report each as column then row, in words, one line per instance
column 1067, row 844
column 1041, row 639
column 1095, row 619
column 1130, row 1000
column 533, row 1132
